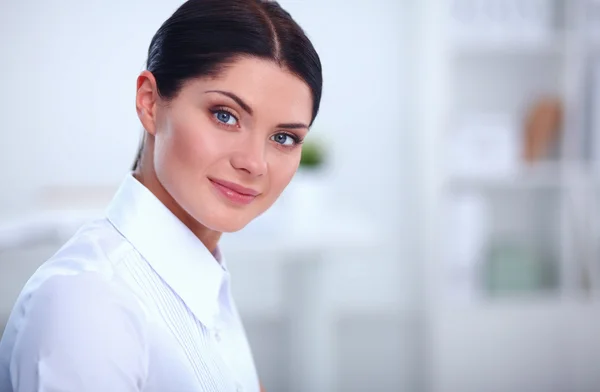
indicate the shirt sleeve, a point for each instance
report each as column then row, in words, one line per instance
column 79, row 333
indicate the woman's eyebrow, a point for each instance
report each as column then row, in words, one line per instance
column 293, row 126
column 249, row 110
column 237, row 100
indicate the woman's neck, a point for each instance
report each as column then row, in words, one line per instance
column 147, row 177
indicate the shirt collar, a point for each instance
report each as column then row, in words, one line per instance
column 170, row 248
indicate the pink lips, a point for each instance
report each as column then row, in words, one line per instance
column 234, row 192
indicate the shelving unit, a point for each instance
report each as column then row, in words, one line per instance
column 512, row 252
column 487, row 84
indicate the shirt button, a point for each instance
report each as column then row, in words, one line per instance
column 217, row 336
column 239, row 388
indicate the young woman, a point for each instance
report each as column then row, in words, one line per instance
column 140, row 300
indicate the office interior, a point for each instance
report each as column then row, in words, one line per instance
column 447, row 237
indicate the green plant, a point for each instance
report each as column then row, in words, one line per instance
column 313, row 155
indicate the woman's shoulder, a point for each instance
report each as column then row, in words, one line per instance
column 97, row 248
column 79, row 278
column 71, row 298
column 76, row 314
column 77, row 297
column 97, row 245
column 80, row 324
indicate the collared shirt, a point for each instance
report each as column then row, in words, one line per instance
column 133, row 302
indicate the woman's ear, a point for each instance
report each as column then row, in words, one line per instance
column 146, row 101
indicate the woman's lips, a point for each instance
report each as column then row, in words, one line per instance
column 234, row 192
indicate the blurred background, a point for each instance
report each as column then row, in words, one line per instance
column 442, row 233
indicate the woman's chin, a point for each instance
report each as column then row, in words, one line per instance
column 233, row 230
column 229, row 228
column 226, row 225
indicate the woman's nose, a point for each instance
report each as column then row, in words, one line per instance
column 251, row 158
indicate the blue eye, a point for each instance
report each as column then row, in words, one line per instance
column 225, row 117
column 285, row 139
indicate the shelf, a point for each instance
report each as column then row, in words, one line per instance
column 530, row 178
column 542, row 302
column 528, row 46
column 547, row 175
column 521, row 182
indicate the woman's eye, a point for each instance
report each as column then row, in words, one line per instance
column 284, row 139
column 225, row 117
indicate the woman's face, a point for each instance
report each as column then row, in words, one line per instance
column 226, row 147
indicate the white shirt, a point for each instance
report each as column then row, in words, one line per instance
column 133, row 302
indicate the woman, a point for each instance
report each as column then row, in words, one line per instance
column 139, row 300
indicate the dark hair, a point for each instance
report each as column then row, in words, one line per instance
column 204, row 36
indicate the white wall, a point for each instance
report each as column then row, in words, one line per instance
column 68, row 73
column 366, row 55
